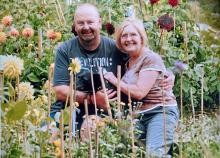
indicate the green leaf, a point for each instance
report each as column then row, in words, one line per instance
column 66, row 114
column 33, row 78
column 17, row 111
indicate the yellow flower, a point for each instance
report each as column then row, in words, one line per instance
column 26, row 91
column 58, row 36
column 57, row 143
column 58, row 152
column 7, row 20
column 2, row 37
column 12, row 66
column 75, row 66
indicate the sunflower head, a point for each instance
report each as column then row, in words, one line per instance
column 75, row 66
column 12, row 66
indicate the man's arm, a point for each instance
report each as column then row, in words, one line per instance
column 62, row 91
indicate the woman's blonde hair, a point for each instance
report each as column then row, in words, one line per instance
column 139, row 27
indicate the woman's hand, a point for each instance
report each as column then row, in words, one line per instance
column 168, row 81
column 111, row 78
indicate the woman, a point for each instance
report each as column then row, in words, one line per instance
column 144, row 71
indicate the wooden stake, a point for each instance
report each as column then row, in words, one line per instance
column 132, row 126
column 119, row 90
column 186, row 42
column 62, row 134
column 40, row 44
column 61, row 12
column 71, row 114
column 181, row 96
column 97, row 132
column 106, row 96
column 202, row 87
column 88, row 128
column 192, row 104
column 164, row 122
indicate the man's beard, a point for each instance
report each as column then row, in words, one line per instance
column 88, row 38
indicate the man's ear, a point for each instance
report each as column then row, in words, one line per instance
column 100, row 22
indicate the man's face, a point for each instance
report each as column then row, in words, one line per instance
column 87, row 24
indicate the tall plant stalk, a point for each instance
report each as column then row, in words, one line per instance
column 132, row 126
column 88, row 129
column 181, row 96
column 40, row 45
column 202, row 90
column 192, row 104
column 106, row 96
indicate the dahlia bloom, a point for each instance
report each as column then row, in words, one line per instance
column 173, row 3
column 26, row 91
column 75, row 66
column 51, row 35
column 110, row 28
column 7, row 20
column 28, row 32
column 14, row 32
column 166, row 22
column 12, row 66
column 3, row 37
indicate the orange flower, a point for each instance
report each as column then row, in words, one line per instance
column 58, row 36
column 28, row 32
column 14, row 32
column 7, row 20
column 58, row 152
column 2, row 37
column 57, row 143
column 51, row 35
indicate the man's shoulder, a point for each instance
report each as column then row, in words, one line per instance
column 108, row 41
column 68, row 44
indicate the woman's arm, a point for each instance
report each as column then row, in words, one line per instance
column 139, row 90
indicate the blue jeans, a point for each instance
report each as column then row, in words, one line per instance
column 151, row 126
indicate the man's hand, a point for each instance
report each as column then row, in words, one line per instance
column 168, row 81
column 100, row 98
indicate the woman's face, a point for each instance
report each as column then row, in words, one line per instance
column 131, row 40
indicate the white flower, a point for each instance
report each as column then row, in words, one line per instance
column 12, row 66
column 26, row 91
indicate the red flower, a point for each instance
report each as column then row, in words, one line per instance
column 153, row 1
column 166, row 22
column 173, row 3
column 110, row 28
column 73, row 30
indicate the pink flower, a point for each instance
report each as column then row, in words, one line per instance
column 7, row 20
column 28, row 32
column 14, row 32
column 51, row 35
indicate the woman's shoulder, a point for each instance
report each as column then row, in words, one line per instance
column 150, row 55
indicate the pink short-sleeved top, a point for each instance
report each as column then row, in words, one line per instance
column 150, row 61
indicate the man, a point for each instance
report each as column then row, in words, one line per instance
column 93, row 50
